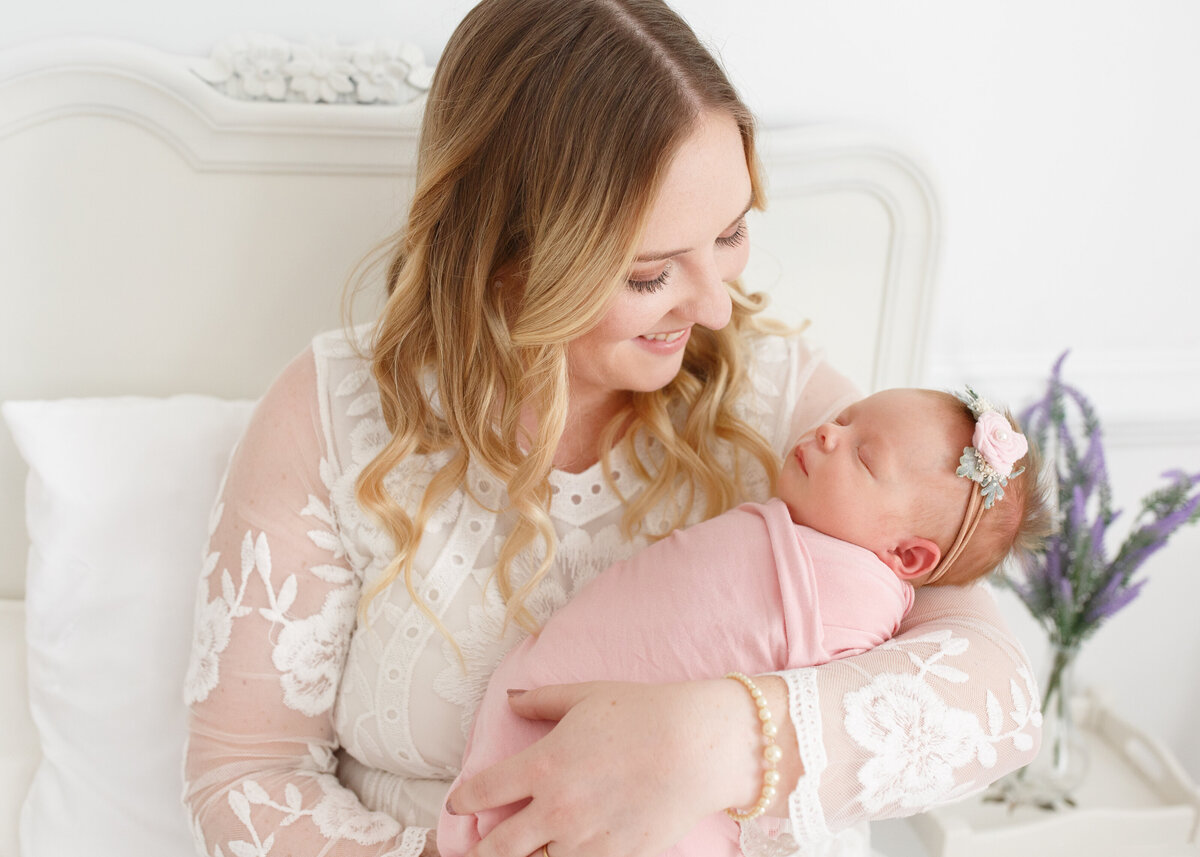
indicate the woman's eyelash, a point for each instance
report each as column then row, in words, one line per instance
column 736, row 238
column 647, row 286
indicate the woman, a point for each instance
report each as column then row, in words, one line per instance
column 565, row 368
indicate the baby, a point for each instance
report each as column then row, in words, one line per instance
column 868, row 507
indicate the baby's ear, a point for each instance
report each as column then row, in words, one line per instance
column 912, row 557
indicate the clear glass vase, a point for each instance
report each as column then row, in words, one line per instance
column 1051, row 779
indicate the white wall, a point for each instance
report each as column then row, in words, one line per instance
column 1062, row 134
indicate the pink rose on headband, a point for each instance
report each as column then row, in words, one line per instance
column 998, row 443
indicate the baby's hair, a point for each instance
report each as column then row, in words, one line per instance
column 1014, row 526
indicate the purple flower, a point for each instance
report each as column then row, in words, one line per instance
column 1070, row 585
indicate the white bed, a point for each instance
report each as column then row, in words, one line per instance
column 159, row 237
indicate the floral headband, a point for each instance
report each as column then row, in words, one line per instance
column 996, row 447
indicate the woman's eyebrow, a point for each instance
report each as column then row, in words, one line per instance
column 656, row 256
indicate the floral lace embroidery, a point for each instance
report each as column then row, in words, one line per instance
column 917, row 741
column 584, row 555
column 485, row 641
column 338, row 815
column 465, row 686
column 213, row 621
column 309, row 652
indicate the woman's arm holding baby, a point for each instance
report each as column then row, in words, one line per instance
column 631, row 767
column 943, row 709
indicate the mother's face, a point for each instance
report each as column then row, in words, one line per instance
column 695, row 241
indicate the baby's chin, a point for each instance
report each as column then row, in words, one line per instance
column 794, row 513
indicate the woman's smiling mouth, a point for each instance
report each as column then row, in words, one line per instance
column 664, row 343
column 665, row 337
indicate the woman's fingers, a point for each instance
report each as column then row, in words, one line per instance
column 511, row 780
column 551, row 702
column 503, row 783
column 626, row 771
column 513, row 837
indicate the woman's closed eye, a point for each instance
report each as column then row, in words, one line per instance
column 736, row 237
column 652, row 285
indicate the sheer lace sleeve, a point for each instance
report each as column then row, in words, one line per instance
column 275, row 613
column 941, row 710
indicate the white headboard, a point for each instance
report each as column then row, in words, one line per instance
column 159, row 236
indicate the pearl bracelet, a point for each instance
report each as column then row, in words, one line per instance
column 771, row 753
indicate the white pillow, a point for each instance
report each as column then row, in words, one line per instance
column 117, row 506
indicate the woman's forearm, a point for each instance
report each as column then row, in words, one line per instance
column 943, row 709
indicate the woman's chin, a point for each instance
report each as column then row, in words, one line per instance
column 655, row 377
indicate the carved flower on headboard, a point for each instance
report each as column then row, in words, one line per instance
column 268, row 68
column 390, row 72
column 249, row 68
column 320, row 73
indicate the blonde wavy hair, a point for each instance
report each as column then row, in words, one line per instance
column 549, row 127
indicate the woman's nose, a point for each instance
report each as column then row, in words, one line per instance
column 709, row 303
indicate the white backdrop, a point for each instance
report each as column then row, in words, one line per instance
column 1062, row 134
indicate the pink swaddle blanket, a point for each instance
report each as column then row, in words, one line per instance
column 748, row 590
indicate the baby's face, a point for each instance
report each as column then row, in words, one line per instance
column 876, row 473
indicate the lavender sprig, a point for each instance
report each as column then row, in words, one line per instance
column 1071, row 586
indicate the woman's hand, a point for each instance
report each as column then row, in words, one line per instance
column 628, row 769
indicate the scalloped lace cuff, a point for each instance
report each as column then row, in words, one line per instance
column 412, row 843
column 805, row 812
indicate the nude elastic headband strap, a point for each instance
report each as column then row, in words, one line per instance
column 970, row 521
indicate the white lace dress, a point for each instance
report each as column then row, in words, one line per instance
column 313, row 734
